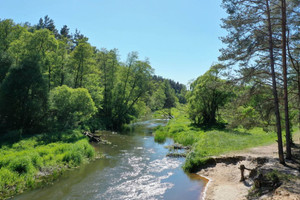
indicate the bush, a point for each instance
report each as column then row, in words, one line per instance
column 89, row 151
column 22, row 165
column 71, row 107
column 159, row 135
column 73, row 157
column 194, row 162
column 8, row 178
column 36, row 159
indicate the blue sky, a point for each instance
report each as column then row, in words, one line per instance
column 180, row 37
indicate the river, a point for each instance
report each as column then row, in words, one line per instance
column 134, row 167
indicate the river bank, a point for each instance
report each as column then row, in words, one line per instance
column 224, row 176
column 210, row 141
column 37, row 160
column 134, row 166
column 219, row 152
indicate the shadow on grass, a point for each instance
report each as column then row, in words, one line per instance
column 68, row 136
column 242, row 133
column 208, row 127
column 218, row 127
column 12, row 137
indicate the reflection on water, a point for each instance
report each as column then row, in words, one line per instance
column 135, row 167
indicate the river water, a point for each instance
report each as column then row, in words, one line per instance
column 134, row 167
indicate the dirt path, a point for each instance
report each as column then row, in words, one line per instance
column 225, row 182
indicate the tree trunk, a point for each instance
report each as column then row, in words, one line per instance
column 298, row 76
column 276, row 102
column 284, row 68
column 296, row 66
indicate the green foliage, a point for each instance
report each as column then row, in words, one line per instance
column 81, row 62
column 22, row 165
column 159, row 135
column 208, row 94
column 124, row 88
column 206, row 143
column 21, row 162
column 23, row 97
column 179, row 89
column 121, row 92
column 73, row 157
column 171, row 98
column 158, row 97
column 194, row 162
column 5, row 64
column 71, row 107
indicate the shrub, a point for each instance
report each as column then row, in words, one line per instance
column 22, row 165
column 73, row 157
column 194, row 162
column 71, row 106
column 37, row 161
column 160, row 135
column 8, row 178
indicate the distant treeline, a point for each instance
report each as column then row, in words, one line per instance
column 54, row 80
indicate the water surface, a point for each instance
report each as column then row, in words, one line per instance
column 134, row 167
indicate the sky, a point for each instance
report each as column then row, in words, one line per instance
column 180, row 37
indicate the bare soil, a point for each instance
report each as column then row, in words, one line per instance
column 224, row 176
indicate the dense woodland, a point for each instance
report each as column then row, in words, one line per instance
column 54, row 80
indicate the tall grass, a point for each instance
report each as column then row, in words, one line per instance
column 22, row 164
column 206, row 143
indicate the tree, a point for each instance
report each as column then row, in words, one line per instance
column 59, row 61
column 64, row 32
column 293, row 52
column 108, row 65
column 250, row 26
column 208, row 94
column 171, row 98
column 70, row 107
column 6, row 29
column 9, row 32
column 81, row 60
column 134, row 84
column 23, row 97
column 47, row 23
column 158, row 97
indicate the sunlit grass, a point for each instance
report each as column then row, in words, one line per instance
column 33, row 158
column 206, row 143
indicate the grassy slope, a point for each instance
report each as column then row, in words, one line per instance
column 32, row 161
column 210, row 142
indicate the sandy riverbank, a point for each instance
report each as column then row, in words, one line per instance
column 224, row 177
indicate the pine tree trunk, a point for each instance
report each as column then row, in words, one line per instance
column 276, row 102
column 284, row 68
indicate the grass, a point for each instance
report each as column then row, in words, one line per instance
column 34, row 160
column 209, row 142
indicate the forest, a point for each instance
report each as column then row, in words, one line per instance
column 58, row 81
column 54, row 85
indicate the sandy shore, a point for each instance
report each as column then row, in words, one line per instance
column 224, row 179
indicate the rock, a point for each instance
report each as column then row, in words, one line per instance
column 176, row 155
